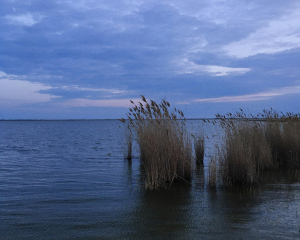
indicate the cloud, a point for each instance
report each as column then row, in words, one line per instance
column 254, row 97
column 186, row 66
column 112, row 91
column 80, row 102
column 19, row 92
column 16, row 91
column 280, row 35
column 216, row 11
column 23, row 19
column 112, row 39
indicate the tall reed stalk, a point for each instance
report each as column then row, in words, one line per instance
column 164, row 142
column 128, row 143
column 212, row 173
column 199, row 146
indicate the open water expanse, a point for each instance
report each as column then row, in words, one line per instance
column 69, row 180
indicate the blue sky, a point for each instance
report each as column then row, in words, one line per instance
column 82, row 59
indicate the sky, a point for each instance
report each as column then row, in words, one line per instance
column 86, row 59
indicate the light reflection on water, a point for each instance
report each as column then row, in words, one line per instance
column 68, row 179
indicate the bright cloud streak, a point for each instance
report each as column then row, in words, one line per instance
column 280, row 35
column 19, row 92
column 24, row 19
column 224, row 71
column 187, row 66
column 77, row 88
column 99, row 103
column 254, row 97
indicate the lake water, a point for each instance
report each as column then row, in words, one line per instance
column 69, row 180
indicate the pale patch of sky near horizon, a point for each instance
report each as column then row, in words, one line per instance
column 254, row 97
column 100, row 103
column 20, row 92
column 16, row 92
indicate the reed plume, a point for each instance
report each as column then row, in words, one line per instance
column 164, row 142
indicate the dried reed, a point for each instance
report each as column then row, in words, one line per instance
column 128, row 139
column 246, row 150
column 199, row 146
column 291, row 142
column 212, row 173
column 283, row 134
column 253, row 143
column 164, row 142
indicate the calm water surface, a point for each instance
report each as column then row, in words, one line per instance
column 69, row 180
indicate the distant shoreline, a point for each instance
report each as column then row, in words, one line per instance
column 206, row 119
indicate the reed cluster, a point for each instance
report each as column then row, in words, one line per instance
column 164, row 142
column 245, row 152
column 291, row 142
column 283, row 134
column 251, row 144
column 255, row 143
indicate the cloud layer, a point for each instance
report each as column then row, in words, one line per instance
column 279, row 35
column 66, row 54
